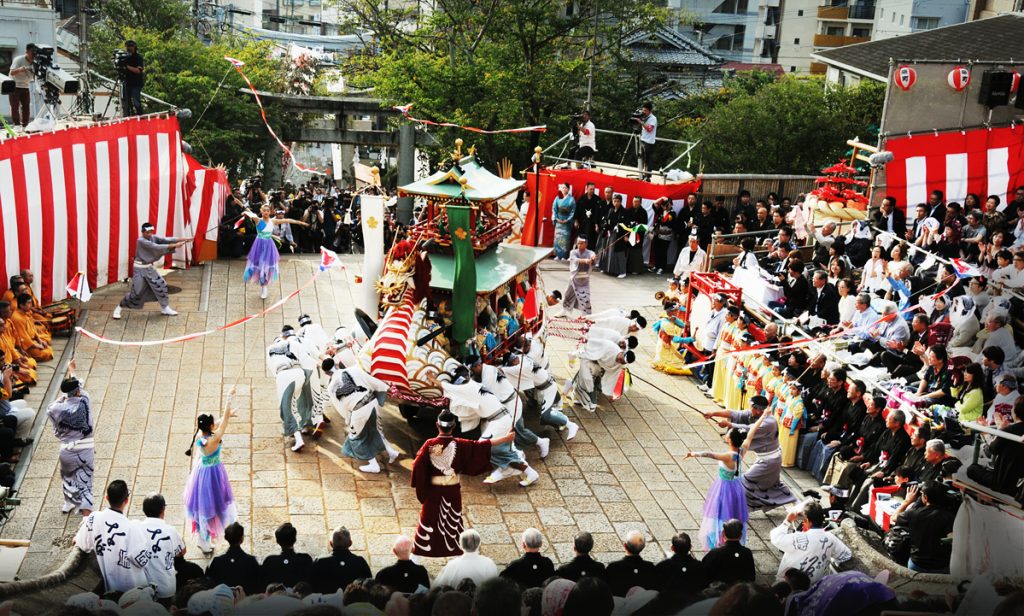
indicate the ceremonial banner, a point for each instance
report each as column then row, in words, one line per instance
column 984, row 162
column 542, row 232
column 372, row 208
column 73, row 200
column 464, row 282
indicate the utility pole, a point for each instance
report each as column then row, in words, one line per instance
column 593, row 54
column 85, row 97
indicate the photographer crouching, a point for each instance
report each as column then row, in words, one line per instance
column 648, row 134
column 130, row 68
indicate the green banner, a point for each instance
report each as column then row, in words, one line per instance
column 464, row 284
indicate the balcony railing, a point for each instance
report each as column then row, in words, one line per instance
column 39, row 4
column 818, row 68
column 832, row 12
column 831, row 40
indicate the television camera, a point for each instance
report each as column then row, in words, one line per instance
column 635, row 119
column 120, row 62
column 55, row 80
column 6, row 84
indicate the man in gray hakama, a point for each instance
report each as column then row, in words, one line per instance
column 147, row 284
column 761, row 481
column 581, row 260
column 73, row 422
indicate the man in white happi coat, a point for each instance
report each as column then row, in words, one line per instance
column 285, row 359
column 475, row 407
column 537, row 385
column 119, row 543
column 315, row 340
column 358, row 397
column 603, row 333
column 600, row 362
column 623, row 324
column 691, row 258
column 494, row 380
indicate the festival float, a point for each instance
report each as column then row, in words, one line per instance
column 454, row 290
column 839, row 196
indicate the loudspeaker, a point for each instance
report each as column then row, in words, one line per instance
column 995, row 88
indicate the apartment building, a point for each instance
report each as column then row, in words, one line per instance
column 743, row 31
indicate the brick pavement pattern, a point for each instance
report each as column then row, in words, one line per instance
column 623, row 471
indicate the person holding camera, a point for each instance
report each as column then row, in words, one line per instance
column 587, row 138
column 23, row 75
column 648, row 134
column 134, row 67
column 811, row 548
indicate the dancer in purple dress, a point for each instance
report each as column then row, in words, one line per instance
column 726, row 499
column 263, row 256
column 209, row 503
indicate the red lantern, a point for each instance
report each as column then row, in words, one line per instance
column 959, row 78
column 905, row 77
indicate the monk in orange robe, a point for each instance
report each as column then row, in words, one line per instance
column 26, row 332
column 24, row 366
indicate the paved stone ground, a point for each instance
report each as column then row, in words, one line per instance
column 622, row 472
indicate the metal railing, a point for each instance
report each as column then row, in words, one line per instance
column 41, row 4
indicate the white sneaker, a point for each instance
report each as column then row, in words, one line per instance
column 392, row 453
column 263, row 292
column 531, row 477
column 621, row 276
column 68, row 508
column 544, row 444
column 299, row 443
column 703, row 387
column 168, row 311
column 117, row 312
column 570, row 430
column 371, row 467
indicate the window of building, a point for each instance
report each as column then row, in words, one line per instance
column 901, row 19
column 924, row 23
column 796, row 41
column 731, row 42
column 792, row 69
column 835, row 30
column 861, row 32
column 892, row 18
column 800, row 13
column 6, row 57
column 732, row 7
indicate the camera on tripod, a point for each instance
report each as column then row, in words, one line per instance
column 120, row 62
column 56, row 80
column 635, row 119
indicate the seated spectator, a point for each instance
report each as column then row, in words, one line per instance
column 905, row 358
column 164, row 544
column 1011, row 276
column 405, row 575
column 824, row 301
column 341, row 567
column 992, row 360
column 497, row 597
column 631, row 570
column 811, row 548
column 936, row 385
column 730, row 562
column 591, row 596
column 796, row 291
column 997, row 333
column 884, row 455
column 582, row 564
column 470, row 565
column 532, row 568
column 1007, row 458
column 681, row 573
column 452, row 602
column 1007, row 394
column 287, row 568
column 930, row 525
column 22, row 366
column 27, row 335
column 235, row 567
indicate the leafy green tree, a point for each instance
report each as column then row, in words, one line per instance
column 183, row 71
column 795, row 125
column 498, row 64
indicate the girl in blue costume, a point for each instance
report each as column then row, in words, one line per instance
column 209, row 502
column 263, row 257
column 726, row 498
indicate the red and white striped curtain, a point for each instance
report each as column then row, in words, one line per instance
column 980, row 161
column 74, row 200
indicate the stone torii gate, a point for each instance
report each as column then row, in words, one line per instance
column 347, row 110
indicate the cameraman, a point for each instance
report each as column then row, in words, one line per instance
column 587, row 138
column 648, row 133
column 134, row 67
column 23, row 74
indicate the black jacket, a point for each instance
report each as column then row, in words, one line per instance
column 899, row 222
column 826, row 304
column 730, row 563
column 1008, row 460
column 404, row 576
column 236, row 568
column 581, row 566
column 329, row 573
column 530, row 571
column 628, row 572
column 288, row 568
column 797, row 294
column 680, row 573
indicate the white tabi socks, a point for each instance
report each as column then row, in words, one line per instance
column 570, row 431
column 531, row 477
column 544, row 444
column 371, row 466
column 299, row 443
